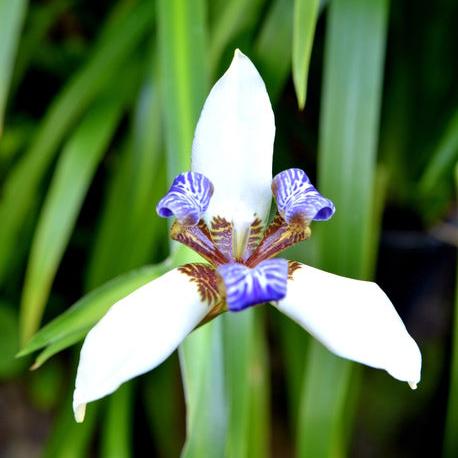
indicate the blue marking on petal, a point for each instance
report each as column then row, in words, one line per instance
column 245, row 286
column 297, row 198
column 187, row 199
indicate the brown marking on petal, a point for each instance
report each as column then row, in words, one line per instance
column 221, row 231
column 278, row 236
column 205, row 278
column 292, row 267
column 199, row 239
column 254, row 237
column 219, row 308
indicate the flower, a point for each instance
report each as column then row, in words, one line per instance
column 221, row 209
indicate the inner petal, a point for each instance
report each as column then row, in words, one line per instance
column 245, row 286
column 188, row 198
column 298, row 200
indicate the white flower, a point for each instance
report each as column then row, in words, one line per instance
column 221, row 208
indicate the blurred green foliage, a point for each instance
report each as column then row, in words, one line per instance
column 99, row 102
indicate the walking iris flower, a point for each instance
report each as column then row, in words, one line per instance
column 221, row 209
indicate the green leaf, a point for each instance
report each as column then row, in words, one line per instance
column 259, row 401
column 12, row 15
column 9, row 343
column 69, row 439
column 128, row 220
column 238, row 340
column 117, row 425
column 20, row 188
column 40, row 18
column 442, row 159
column 74, row 171
column 273, row 47
column 450, row 449
column 61, row 344
column 322, row 404
column 202, row 368
column 246, row 384
column 237, row 16
column 162, row 402
column 44, row 387
column 355, row 45
column 305, row 17
column 184, row 76
column 184, row 79
column 90, row 308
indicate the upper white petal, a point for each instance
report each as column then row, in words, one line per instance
column 233, row 144
column 354, row 319
column 137, row 334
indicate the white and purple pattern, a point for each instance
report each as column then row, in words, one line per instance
column 187, row 199
column 297, row 198
column 247, row 286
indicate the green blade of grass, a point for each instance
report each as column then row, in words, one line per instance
column 61, row 344
column 163, row 407
column 117, row 425
column 90, row 308
column 69, row 439
column 128, row 220
column 40, row 19
column 258, row 377
column 19, row 191
column 237, row 16
column 238, row 339
column 305, row 17
column 355, row 44
column 443, row 158
column 11, row 19
column 184, row 79
column 75, row 169
column 450, row 448
column 273, row 47
column 246, row 384
column 184, row 76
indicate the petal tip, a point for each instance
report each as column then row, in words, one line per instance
column 413, row 385
column 80, row 412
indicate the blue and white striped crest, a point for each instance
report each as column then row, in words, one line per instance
column 187, row 199
column 247, row 286
column 298, row 199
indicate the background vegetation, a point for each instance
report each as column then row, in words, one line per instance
column 98, row 103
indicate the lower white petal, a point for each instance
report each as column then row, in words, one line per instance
column 136, row 335
column 354, row 319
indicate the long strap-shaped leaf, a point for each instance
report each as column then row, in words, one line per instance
column 19, row 190
column 128, row 221
column 73, row 175
column 305, row 17
column 451, row 440
column 11, row 18
column 182, row 55
column 79, row 318
column 355, row 44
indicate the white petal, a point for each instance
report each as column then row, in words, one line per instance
column 354, row 319
column 233, row 144
column 136, row 335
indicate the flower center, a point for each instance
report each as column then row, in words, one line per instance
column 245, row 273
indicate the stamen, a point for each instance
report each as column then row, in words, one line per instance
column 278, row 236
column 188, row 198
column 297, row 199
column 221, row 231
column 199, row 239
column 254, row 238
column 244, row 287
